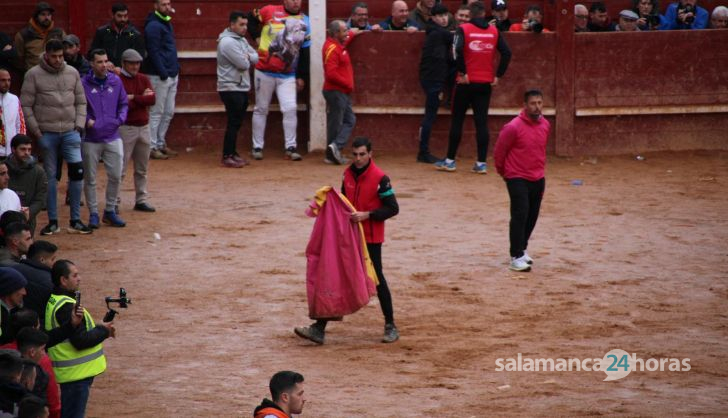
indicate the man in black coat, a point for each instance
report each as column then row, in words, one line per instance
column 36, row 269
column 118, row 35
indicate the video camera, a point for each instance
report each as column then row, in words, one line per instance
column 535, row 25
column 122, row 300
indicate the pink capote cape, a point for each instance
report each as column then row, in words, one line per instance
column 340, row 277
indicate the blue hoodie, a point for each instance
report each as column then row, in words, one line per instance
column 161, row 49
column 106, row 104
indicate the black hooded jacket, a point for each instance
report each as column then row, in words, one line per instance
column 436, row 57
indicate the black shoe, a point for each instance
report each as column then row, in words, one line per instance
column 311, row 333
column 144, row 207
column 427, row 158
column 77, row 227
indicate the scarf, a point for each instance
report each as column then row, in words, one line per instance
column 163, row 17
column 42, row 32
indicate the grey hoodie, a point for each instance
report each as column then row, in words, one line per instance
column 234, row 57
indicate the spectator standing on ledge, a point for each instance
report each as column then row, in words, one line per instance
column 286, row 390
column 520, row 158
column 234, row 59
column 163, row 70
column 359, row 17
column 118, row 35
column 31, row 40
column 474, row 46
column 435, row 65
column 283, row 67
column 55, row 109
column 135, row 131
column 72, row 55
column 399, row 19
column 27, row 178
column 338, row 86
column 12, row 121
column 106, row 112
column 685, row 14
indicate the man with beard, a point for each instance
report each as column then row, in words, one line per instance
column 118, row 35
column 27, row 178
column 30, row 40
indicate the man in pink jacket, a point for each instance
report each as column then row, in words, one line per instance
column 520, row 158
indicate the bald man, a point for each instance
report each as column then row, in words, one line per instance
column 399, row 20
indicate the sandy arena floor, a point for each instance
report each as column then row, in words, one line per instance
column 633, row 259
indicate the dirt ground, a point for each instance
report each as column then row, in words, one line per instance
column 634, row 259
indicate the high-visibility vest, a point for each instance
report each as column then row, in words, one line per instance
column 69, row 363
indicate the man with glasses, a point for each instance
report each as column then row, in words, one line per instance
column 359, row 17
column 581, row 18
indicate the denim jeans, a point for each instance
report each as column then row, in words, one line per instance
column 432, row 91
column 68, row 144
column 160, row 115
column 74, row 396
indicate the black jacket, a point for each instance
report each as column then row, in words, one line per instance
column 115, row 43
column 436, row 57
column 81, row 337
column 39, row 286
column 7, row 57
column 502, row 47
column 10, row 395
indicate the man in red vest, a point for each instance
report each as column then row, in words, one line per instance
column 475, row 44
column 371, row 193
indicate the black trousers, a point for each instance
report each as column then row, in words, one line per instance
column 236, row 103
column 477, row 96
column 525, row 204
column 385, row 297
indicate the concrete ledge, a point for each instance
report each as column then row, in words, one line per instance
column 197, row 54
column 221, row 109
column 363, row 110
column 651, row 110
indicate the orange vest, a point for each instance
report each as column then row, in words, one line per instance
column 478, row 51
column 271, row 411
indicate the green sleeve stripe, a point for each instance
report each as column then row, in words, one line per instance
column 389, row 192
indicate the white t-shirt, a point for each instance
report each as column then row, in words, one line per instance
column 9, row 200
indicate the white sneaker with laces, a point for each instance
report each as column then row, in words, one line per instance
column 526, row 257
column 519, row 264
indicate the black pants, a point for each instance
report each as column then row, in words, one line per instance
column 477, row 96
column 432, row 91
column 236, row 103
column 385, row 297
column 525, row 204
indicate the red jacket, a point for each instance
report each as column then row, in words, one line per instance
column 338, row 72
column 138, row 107
column 363, row 193
column 520, row 151
column 479, row 47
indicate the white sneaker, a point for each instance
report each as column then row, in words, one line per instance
column 519, row 264
column 526, row 257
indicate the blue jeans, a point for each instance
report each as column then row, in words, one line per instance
column 432, row 91
column 68, row 144
column 74, row 396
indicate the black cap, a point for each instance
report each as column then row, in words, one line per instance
column 498, row 5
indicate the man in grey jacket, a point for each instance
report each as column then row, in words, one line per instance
column 234, row 58
column 54, row 105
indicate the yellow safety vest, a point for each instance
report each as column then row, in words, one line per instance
column 69, row 363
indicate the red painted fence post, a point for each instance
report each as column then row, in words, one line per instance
column 565, row 77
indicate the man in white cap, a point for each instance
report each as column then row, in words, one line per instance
column 135, row 131
column 628, row 21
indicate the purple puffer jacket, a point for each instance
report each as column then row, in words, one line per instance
column 106, row 105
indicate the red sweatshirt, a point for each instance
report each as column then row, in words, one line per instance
column 520, row 151
column 138, row 107
column 338, row 72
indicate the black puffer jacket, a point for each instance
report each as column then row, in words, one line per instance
column 436, row 57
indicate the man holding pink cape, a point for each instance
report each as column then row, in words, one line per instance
column 339, row 280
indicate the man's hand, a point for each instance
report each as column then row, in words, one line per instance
column 377, row 28
column 90, row 123
column 359, row 216
column 148, row 92
column 411, row 29
column 26, row 211
column 8, row 47
column 110, row 326
column 77, row 315
column 495, row 82
column 300, row 84
column 462, row 79
column 355, row 31
column 681, row 16
column 129, row 97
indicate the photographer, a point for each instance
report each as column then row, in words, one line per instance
column 79, row 359
column 685, row 14
column 649, row 14
column 532, row 21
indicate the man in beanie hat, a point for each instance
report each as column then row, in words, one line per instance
column 30, row 41
column 12, row 291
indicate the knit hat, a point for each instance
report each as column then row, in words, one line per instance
column 131, row 55
column 10, row 281
column 43, row 7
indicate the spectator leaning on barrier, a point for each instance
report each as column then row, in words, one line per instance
column 106, row 112
column 685, row 14
column 359, row 18
column 235, row 57
column 599, row 18
column 399, row 19
column 55, row 110
column 337, row 89
column 649, row 14
column 532, row 21
column 30, row 41
column 118, row 35
column 627, row 21
column 463, row 14
column 581, row 18
column 27, row 178
column 12, row 121
column 72, row 54
column 135, row 130
column 435, row 68
column 500, row 15
column 719, row 18
column 422, row 13
column 163, row 70
column 283, row 68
